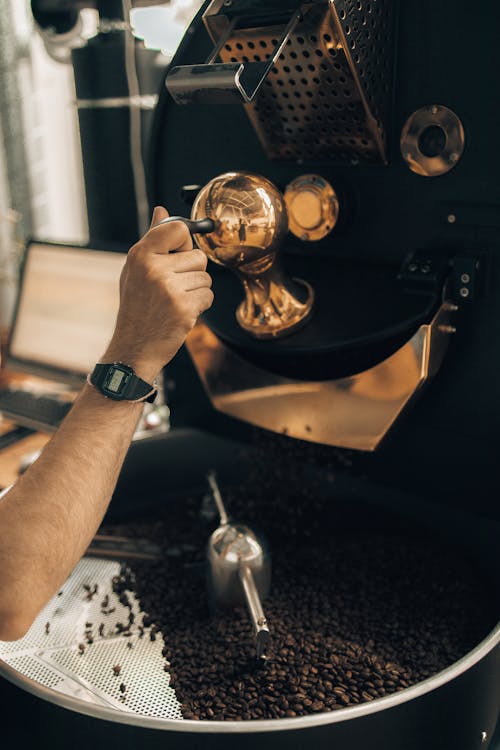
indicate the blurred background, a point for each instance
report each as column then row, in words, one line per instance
column 41, row 176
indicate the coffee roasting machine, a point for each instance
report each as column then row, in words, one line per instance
column 335, row 160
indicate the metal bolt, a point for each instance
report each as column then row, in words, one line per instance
column 434, row 109
column 447, row 329
column 454, row 156
column 451, row 218
column 464, row 292
column 465, row 278
column 304, row 236
column 484, row 737
column 450, row 307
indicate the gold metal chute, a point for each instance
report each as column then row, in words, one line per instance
column 354, row 412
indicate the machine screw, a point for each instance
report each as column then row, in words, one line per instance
column 304, row 236
column 450, row 307
column 464, row 292
column 454, row 156
column 447, row 329
column 434, row 109
column 228, row 3
column 465, row 278
column 451, row 218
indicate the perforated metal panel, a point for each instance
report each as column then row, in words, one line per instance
column 74, row 645
column 328, row 95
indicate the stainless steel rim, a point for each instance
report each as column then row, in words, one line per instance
column 268, row 725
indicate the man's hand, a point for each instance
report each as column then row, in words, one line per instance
column 164, row 287
column 49, row 517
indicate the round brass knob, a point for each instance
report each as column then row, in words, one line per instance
column 250, row 216
column 313, row 207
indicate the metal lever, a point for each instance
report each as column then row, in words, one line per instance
column 262, row 635
column 202, row 226
column 123, row 548
column 212, row 481
column 224, row 82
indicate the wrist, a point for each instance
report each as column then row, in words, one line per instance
column 144, row 368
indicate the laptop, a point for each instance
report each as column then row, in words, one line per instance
column 64, row 317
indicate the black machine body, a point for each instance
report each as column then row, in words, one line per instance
column 416, row 224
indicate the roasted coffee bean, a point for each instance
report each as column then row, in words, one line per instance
column 359, row 607
column 116, row 670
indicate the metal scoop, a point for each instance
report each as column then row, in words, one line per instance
column 240, row 569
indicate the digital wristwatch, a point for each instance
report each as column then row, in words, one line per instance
column 120, row 383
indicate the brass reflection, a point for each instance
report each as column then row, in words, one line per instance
column 354, row 412
column 313, row 207
column 432, row 140
column 250, row 224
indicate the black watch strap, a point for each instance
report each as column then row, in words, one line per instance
column 118, row 381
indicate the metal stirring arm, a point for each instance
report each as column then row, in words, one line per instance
column 262, row 635
column 212, row 481
column 238, row 571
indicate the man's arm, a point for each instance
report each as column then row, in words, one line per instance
column 49, row 517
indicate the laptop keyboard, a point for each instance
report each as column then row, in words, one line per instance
column 36, row 410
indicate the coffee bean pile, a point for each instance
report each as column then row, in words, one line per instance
column 361, row 605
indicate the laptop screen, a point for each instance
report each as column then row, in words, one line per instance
column 66, row 309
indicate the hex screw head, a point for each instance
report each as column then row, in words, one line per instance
column 464, row 292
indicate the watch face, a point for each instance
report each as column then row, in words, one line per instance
column 116, row 380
